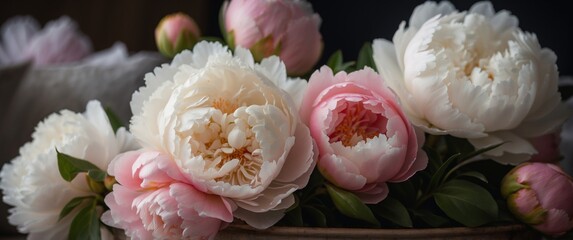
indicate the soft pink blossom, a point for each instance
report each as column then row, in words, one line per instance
column 541, row 195
column 364, row 138
column 176, row 32
column 153, row 201
column 231, row 125
column 547, row 147
column 289, row 29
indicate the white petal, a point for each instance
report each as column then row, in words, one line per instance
column 259, row 220
column 301, row 159
column 245, row 56
column 427, row 10
column 484, row 8
column 514, row 149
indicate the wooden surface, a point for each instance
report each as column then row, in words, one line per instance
column 245, row 232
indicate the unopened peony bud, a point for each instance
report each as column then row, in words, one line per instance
column 96, row 187
column 108, row 182
column 541, row 195
column 288, row 29
column 175, row 33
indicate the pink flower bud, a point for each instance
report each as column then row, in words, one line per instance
column 289, row 29
column 547, row 147
column 541, row 195
column 175, row 33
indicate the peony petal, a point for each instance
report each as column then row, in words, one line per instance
column 428, row 10
column 556, row 223
column 259, row 220
column 483, row 8
column 512, row 144
column 301, row 159
column 373, row 193
column 341, row 172
column 293, row 45
column 205, row 205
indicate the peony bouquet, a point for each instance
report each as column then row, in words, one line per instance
column 454, row 122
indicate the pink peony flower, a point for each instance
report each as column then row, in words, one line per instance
column 547, row 147
column 175, row 33
column 289, row 29
column 155, row 202
column 363, row 137
column 541, row 195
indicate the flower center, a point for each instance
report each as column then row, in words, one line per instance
column 229, row 148
column 354, row 123
column 225, row 105
column 245, row 171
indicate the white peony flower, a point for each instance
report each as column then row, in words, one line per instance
column 32, row 182
column 231, row 126
column 473, row 75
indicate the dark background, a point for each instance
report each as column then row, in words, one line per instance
column 346, row 24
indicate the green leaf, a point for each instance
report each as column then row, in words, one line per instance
column 365, row 57
column 393, row 211
column 70, row 166
column 336, row 64
column 97, row 175
column 71, row 205
column 113, row 119
column 350, row 205
column 480, row 151
column 335, row 60
column 316, row 216
column 86, row 224
column 438, row 176
column 474, row 174
column 466, row 202
column 344, row 66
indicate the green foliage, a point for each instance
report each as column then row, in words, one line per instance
column 70, row 166
column 335, row 62
column 466, row 202
column 393, row 211
column 350, row 205
column 365, row 57
column 71, row 205
column 113, row 119
column 86, row 225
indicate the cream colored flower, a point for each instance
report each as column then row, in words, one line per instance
column 230, row 126
column 32, row 182
column 473, row 75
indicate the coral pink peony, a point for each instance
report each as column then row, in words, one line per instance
column 289, row 29
column 364, row 138
column 176, row 32
column 155, row 202
column 541, row 195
